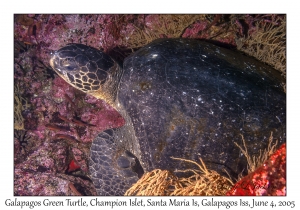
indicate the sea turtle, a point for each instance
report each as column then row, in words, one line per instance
column 179, row 97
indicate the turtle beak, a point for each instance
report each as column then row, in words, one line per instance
column 54, row 63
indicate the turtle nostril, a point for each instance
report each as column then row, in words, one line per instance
column 51, row 52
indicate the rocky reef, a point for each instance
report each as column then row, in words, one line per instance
column 55, row 124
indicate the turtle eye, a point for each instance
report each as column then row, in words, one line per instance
column 69, row 68
column 69, row 64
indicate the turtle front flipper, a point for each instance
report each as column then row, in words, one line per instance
column 113, row 170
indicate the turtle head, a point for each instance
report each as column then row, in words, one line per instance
column 88, row 70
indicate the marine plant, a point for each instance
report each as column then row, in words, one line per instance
column 267, row 42
column 18, row 108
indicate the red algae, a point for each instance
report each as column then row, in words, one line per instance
column 195, row 29
column 268, row 179
column 73, row 166
column 80, row 160
column 38, row 175
column 61, row 88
